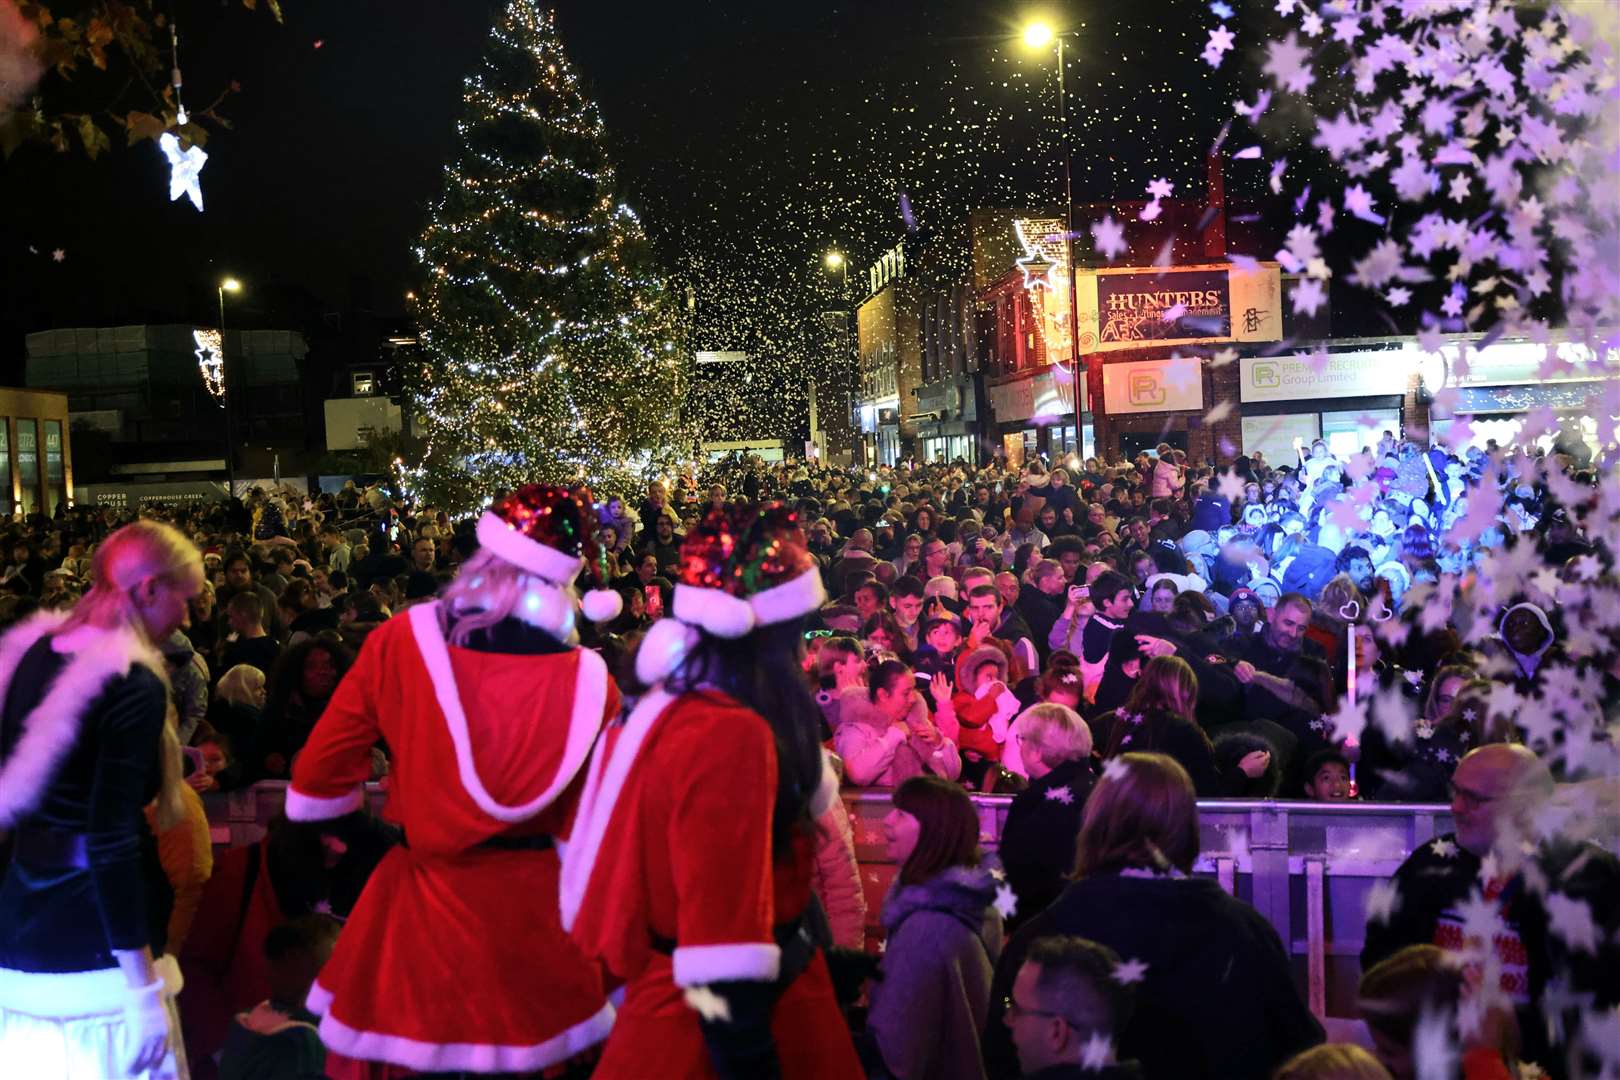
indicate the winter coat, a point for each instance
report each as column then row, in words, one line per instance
column 1216, row 1000
column 1038, row 838
column 1311, row 568
column 929, row 1009
column 1039, row 613
column 878, row 753
column 836, row 879
column 1441, row 875
column 1180, row 738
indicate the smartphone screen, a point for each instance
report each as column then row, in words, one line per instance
column 655, row 601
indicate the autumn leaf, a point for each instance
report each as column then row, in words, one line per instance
column 94, row 139
column 143, row 125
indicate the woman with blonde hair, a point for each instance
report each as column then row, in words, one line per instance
column 87, row 740
column 1158, row 717
column 1332, row 1061
column 1038, row 838
column 1205, row 965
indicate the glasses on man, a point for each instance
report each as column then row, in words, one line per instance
column 1013, row 1009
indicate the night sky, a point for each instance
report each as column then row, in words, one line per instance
column 728, row 119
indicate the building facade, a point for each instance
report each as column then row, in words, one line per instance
column 36, row 457
column 888, row 327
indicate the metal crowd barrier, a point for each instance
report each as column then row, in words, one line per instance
column 1306, row 867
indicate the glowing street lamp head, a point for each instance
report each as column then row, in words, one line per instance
column 834, row 260
column 1038, row 35
column 230, row 284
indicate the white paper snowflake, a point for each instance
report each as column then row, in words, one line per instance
column 708, row 1004
column 1062, row 794
column 1006, row 901
column 1127, row 972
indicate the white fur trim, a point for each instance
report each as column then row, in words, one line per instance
column 465, row 1057
column 319, row 998
column 52, row 727
column 72, row 995
column 495, row 535
column 602, row 605
column 717, row 611
column 789, row 600
column 302, row 807
column 604, row 781
column 697, row 965
column 547, row 606
column 585, row 720
column 827, row 790
column 664, row 648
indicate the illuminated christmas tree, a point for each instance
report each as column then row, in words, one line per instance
column 552, row 349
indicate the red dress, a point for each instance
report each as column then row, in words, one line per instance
column 673, row 841
column 454, row 958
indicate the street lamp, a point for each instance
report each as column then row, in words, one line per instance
column 229, row 285
column 835, row 261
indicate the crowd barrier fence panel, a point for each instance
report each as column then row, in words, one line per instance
column 1306, row 867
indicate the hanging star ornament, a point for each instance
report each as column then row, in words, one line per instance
column 184, row 167
column 1037, row 270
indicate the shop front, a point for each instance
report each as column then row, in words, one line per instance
column 947, row 419
column 1038, row 414
column 1497, row 388
column 1348, row 400
column 1152, row 401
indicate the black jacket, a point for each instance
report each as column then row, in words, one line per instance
column 1217, row 999
column 56, row 917
column 1440, row 875
column 1038, row 837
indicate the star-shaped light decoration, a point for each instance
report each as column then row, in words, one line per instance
column 1037, row 270
column 184, row 167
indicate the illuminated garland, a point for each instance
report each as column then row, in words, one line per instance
column 211, row 361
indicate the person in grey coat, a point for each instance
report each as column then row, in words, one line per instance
column 944, row 937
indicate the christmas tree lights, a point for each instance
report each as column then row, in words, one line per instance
column 551, row 348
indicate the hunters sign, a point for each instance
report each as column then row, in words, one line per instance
column 1144, row 307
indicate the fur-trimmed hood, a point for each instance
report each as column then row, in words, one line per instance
column 50, row 729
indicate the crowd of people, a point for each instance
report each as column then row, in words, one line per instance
column 1106, row 641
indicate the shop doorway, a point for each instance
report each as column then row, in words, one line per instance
column 1133, row 443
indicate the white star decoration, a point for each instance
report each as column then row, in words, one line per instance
column 1127, row 972
column 1095, row 1053
column 1571, row 921
column 1383, row 900
column 1061, row 794
column 1444, row 848
column 1109, row 237
column 1006, row 901
column 184, row 168
column 58, row 255
column 708, row 1004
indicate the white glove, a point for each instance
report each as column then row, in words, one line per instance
column 146, row 1028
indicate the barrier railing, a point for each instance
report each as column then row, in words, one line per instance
column 1306, row 867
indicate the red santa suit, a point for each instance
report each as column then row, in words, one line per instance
column 673, row 845
column 454, row 958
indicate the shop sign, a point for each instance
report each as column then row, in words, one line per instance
column 891, row 266
column 1142, row 386
column 941, row 398
column 1139, row 307
column 1350, row 374
column 1509, row 363
column 1046, row 394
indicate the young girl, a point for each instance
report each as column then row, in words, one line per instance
column 1157, row 717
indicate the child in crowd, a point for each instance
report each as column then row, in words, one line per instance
column 1327, row 777
column 277, row 1039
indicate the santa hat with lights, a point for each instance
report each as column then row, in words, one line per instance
column 548, row 532
column 740, row 569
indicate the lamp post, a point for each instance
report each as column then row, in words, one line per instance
column 1038, row 35
column 835, row 260
column 229, row 285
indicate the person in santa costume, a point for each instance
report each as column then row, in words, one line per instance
column 688, row 874
column 453, row 958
